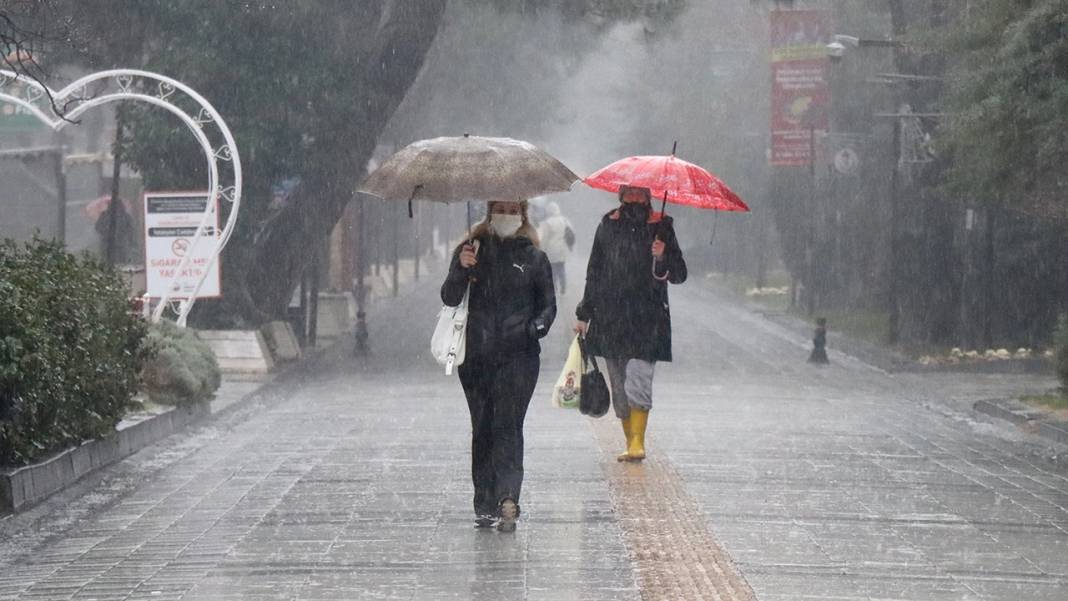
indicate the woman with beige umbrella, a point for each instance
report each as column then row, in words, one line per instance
column 504, row 283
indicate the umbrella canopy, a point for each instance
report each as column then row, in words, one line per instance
column 95, row 208
column 670, row 178
column 467, row 168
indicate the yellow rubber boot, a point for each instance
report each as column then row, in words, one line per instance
column 639, row 418
column 625, row 456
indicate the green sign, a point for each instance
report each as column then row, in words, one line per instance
column 14, row 118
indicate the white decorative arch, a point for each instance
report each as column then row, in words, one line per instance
column 207, row 127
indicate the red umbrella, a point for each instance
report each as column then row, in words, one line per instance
column 95, row 208
column 670, row 179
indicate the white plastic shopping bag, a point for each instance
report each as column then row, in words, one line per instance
column 566, row 391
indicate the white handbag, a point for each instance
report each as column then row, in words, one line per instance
column 449, row 342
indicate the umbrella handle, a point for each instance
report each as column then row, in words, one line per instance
column 415, row 190
column 663, row 213
column 659, row 231
column 660, row 278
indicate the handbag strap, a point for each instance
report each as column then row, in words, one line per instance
column 588, row 360
column 467, row 297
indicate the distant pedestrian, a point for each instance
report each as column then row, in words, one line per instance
column 624, row 311
column 557, row 240
column 115, row 228
column 819, row 343
column 511, row 306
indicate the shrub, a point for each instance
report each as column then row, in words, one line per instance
column 183, row 369
column 1060, row 345
column 70, row 352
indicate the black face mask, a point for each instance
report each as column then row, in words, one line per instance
column 634, row 212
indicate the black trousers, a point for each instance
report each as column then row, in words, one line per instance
column 498, row 393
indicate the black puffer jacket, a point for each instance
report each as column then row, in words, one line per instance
column 626, row 306
column 512, row 302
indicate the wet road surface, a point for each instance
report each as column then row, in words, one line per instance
column 768, row 477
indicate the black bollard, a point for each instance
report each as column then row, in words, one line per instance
column 361, row 348
column 819, row 343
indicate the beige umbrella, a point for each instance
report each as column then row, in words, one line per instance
column 468, row 168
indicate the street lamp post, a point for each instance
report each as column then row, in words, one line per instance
column 810, row 248
column 361, row 347
column 836, row 51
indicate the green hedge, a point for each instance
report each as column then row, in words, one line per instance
column 183, row 369
column 1060, row 344
column 70, row 352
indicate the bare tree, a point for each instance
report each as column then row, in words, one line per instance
column 27, row 27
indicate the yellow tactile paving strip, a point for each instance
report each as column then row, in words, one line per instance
column 674, row 554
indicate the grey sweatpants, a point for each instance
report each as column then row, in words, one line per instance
column 631, row 381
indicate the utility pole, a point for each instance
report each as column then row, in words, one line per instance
column 989, row 261
column 810, row 246
column 61, row 190
column 416, row 223
column 361, row 334
column 894, row 317
column 313, row 300
column 115, row 204
column 395, row 214
column 899, row 27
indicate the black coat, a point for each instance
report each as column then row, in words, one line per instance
column 626, row 306
column 512, row 302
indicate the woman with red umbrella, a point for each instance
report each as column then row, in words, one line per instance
column 624, row 311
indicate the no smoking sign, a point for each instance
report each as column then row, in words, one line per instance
column 179, row 247
column 172, row 264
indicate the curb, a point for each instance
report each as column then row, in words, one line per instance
column 25, row 486
column 893, row 361
column 1033, row 366
column 1020, row 415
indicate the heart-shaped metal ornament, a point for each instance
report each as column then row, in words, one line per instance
column 207, row 126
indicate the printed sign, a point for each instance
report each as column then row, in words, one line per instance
column 846, row 161
column 17, row 118
column 800, row 95
column 171, row 222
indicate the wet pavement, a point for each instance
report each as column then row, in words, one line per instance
column 780, row 479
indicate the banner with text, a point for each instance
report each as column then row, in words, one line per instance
column 800, row 96
column 171, row 222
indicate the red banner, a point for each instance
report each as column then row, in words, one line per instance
column 800, row 96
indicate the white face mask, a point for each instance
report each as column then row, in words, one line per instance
column 506, row 226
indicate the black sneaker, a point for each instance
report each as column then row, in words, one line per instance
column 509, row 514
column 485, row 520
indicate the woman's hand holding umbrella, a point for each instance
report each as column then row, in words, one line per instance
column 658, row 249
column 468, row 256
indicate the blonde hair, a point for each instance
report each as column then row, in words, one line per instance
column 527, row 230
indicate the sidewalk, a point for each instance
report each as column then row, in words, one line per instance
column 349, row 482
column 768, row 478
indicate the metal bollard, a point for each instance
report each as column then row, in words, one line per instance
column 361, row 348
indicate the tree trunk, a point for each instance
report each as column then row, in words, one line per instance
column 989, row 273
column 404, row 37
